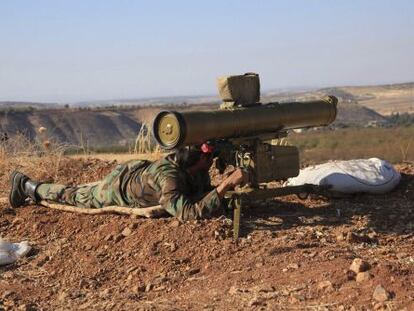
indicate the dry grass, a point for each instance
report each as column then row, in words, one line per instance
column 145, row 143
column 393, row 144
column 39, row 158
column 46, row 162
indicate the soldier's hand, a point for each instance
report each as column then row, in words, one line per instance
column 238, row 177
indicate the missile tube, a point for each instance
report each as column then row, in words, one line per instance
column 173, row 129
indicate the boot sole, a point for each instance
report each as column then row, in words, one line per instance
column 12, row 181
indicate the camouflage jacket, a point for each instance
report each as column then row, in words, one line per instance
column 164, row 182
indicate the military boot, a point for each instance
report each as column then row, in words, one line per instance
column 22, row 188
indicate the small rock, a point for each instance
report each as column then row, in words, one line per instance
column 105, row 293
column 379, row 306
column 82, row 283
column 42, row 261
column 175, row 223
column 159, row 280
column 292, row 266
column 401, row 255
column 109, row 237
column 24, row 307
column 193, row 271
column 173, row 247
column 7, row 293
column 16, row 221
column 133, row 226
column 295, row 298
column 62, row 296
column 126, row 232
column 326, row 286
column 138, row 289
column 159, row 288
column 118, row 238
column 353, row 237
column 359, row 265
column 259, row 264
column 148, row 287
column 266, row 289
column 363, row 276
column 350, row 275
column 131, row 269
column 381, row 294
column 234, row 290
column 256, row 301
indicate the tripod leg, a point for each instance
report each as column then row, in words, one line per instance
column 237, row 203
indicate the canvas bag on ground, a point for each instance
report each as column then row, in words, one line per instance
column 9, row 252
column 354, row 176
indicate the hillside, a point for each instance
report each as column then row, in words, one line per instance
column 383, row 99
column 75, row 127
column 386, row 99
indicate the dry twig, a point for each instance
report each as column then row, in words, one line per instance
column 148, row 212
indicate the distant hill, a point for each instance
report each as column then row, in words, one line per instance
column 384, row 99
column 4, row 105
column 74, row 127
column 350, row 111
column 98, row 128
column 118, row 122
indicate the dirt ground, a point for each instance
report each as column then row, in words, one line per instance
column 293, row 255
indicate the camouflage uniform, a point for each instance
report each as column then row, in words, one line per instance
column 143, row 184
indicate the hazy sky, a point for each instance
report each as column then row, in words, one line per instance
column 96, row 49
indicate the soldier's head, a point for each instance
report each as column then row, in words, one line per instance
column 195, row 158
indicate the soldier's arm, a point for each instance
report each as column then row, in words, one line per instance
column 184, row 208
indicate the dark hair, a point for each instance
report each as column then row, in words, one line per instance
column 187, row 156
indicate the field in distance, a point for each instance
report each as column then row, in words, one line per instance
column 384, row 99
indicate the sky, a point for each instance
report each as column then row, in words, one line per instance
column 80, row 50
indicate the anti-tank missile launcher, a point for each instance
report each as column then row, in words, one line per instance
column 174, row 129
column 247, row 134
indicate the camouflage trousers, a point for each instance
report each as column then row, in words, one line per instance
column 109, row 191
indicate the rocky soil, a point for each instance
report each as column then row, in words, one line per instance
column 353, row 253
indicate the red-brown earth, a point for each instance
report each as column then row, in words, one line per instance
column 293, row 255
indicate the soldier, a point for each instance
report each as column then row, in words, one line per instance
column 179, row 182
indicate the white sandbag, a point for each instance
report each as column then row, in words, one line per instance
column 362, row 175
column 10, row 252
